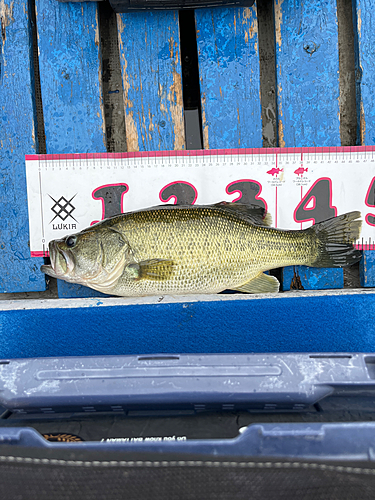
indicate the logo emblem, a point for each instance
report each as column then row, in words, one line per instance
column 62, row 438
column 63, row 208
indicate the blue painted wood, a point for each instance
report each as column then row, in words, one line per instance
column 367, row 269
column 307, row 72
column 339, row 321
column 229, row 77
column 364, row 27
column 18, row 271
column 318, row 279
column 151, row 74
column 70, row 75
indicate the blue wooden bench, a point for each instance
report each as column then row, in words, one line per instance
column 309, row 111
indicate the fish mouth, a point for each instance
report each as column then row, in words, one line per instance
column 62, row 262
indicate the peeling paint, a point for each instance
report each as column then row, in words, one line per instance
column 120, row 28
column 131, row 132
column 246, row 14
column 176, row 109
column 206, row 144
column 362, row 125
column 175, row 100
column 281, row 134
column 151, row 125
column 359, row 17
column 278, row 22
column 6, row 17
column 100, row 79
column 130, row 126
column 33, row 130
column 250, row 14
column 280, row 126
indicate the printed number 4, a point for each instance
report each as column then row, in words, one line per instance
column 316, row 205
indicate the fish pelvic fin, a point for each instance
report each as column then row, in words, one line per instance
column 262, row 283
column 336, row 237
column 152, row 269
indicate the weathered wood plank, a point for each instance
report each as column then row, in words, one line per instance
column 18, row 272
column 365, row 27
column 307, row 73
column 229, row 77
column 70, row 75
column 151, row 75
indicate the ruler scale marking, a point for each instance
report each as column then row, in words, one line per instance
column 209, row 184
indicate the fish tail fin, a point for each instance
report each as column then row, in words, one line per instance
column 336, row 237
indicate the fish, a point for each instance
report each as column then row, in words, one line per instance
column 275, row 171
column 300, row 171
column 177, row 249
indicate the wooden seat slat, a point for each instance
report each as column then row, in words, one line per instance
column 18, row 271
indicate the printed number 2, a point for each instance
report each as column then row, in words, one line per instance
column 370, row 202
column 182, row 192
column 316, row 205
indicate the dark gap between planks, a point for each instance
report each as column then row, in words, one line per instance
column 349, row 106
column 190, row 80
column 41, row 136
column 113, row 101
column 267, row 64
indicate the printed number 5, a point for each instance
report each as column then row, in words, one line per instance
column 370, row 202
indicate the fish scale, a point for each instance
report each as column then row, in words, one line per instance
column 196, row 249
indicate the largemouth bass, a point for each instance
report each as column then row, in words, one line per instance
column 197, row 249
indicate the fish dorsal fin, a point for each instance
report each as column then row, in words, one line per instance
column 253, row 213
column 152, row 269
column 262, row 283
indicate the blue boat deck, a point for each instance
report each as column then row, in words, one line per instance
column 76, row 78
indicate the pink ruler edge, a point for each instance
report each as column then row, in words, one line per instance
column 40, row 254
column 203, row 152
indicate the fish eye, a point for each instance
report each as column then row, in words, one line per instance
column 71, row 241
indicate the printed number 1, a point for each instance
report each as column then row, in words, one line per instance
column 112, row 198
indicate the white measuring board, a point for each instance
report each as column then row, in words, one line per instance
column 298, row 186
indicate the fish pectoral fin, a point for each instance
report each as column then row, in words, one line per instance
column 152, row 269
column 262, row 283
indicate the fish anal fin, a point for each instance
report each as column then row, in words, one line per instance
column 262, row 283
column 152, row 269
